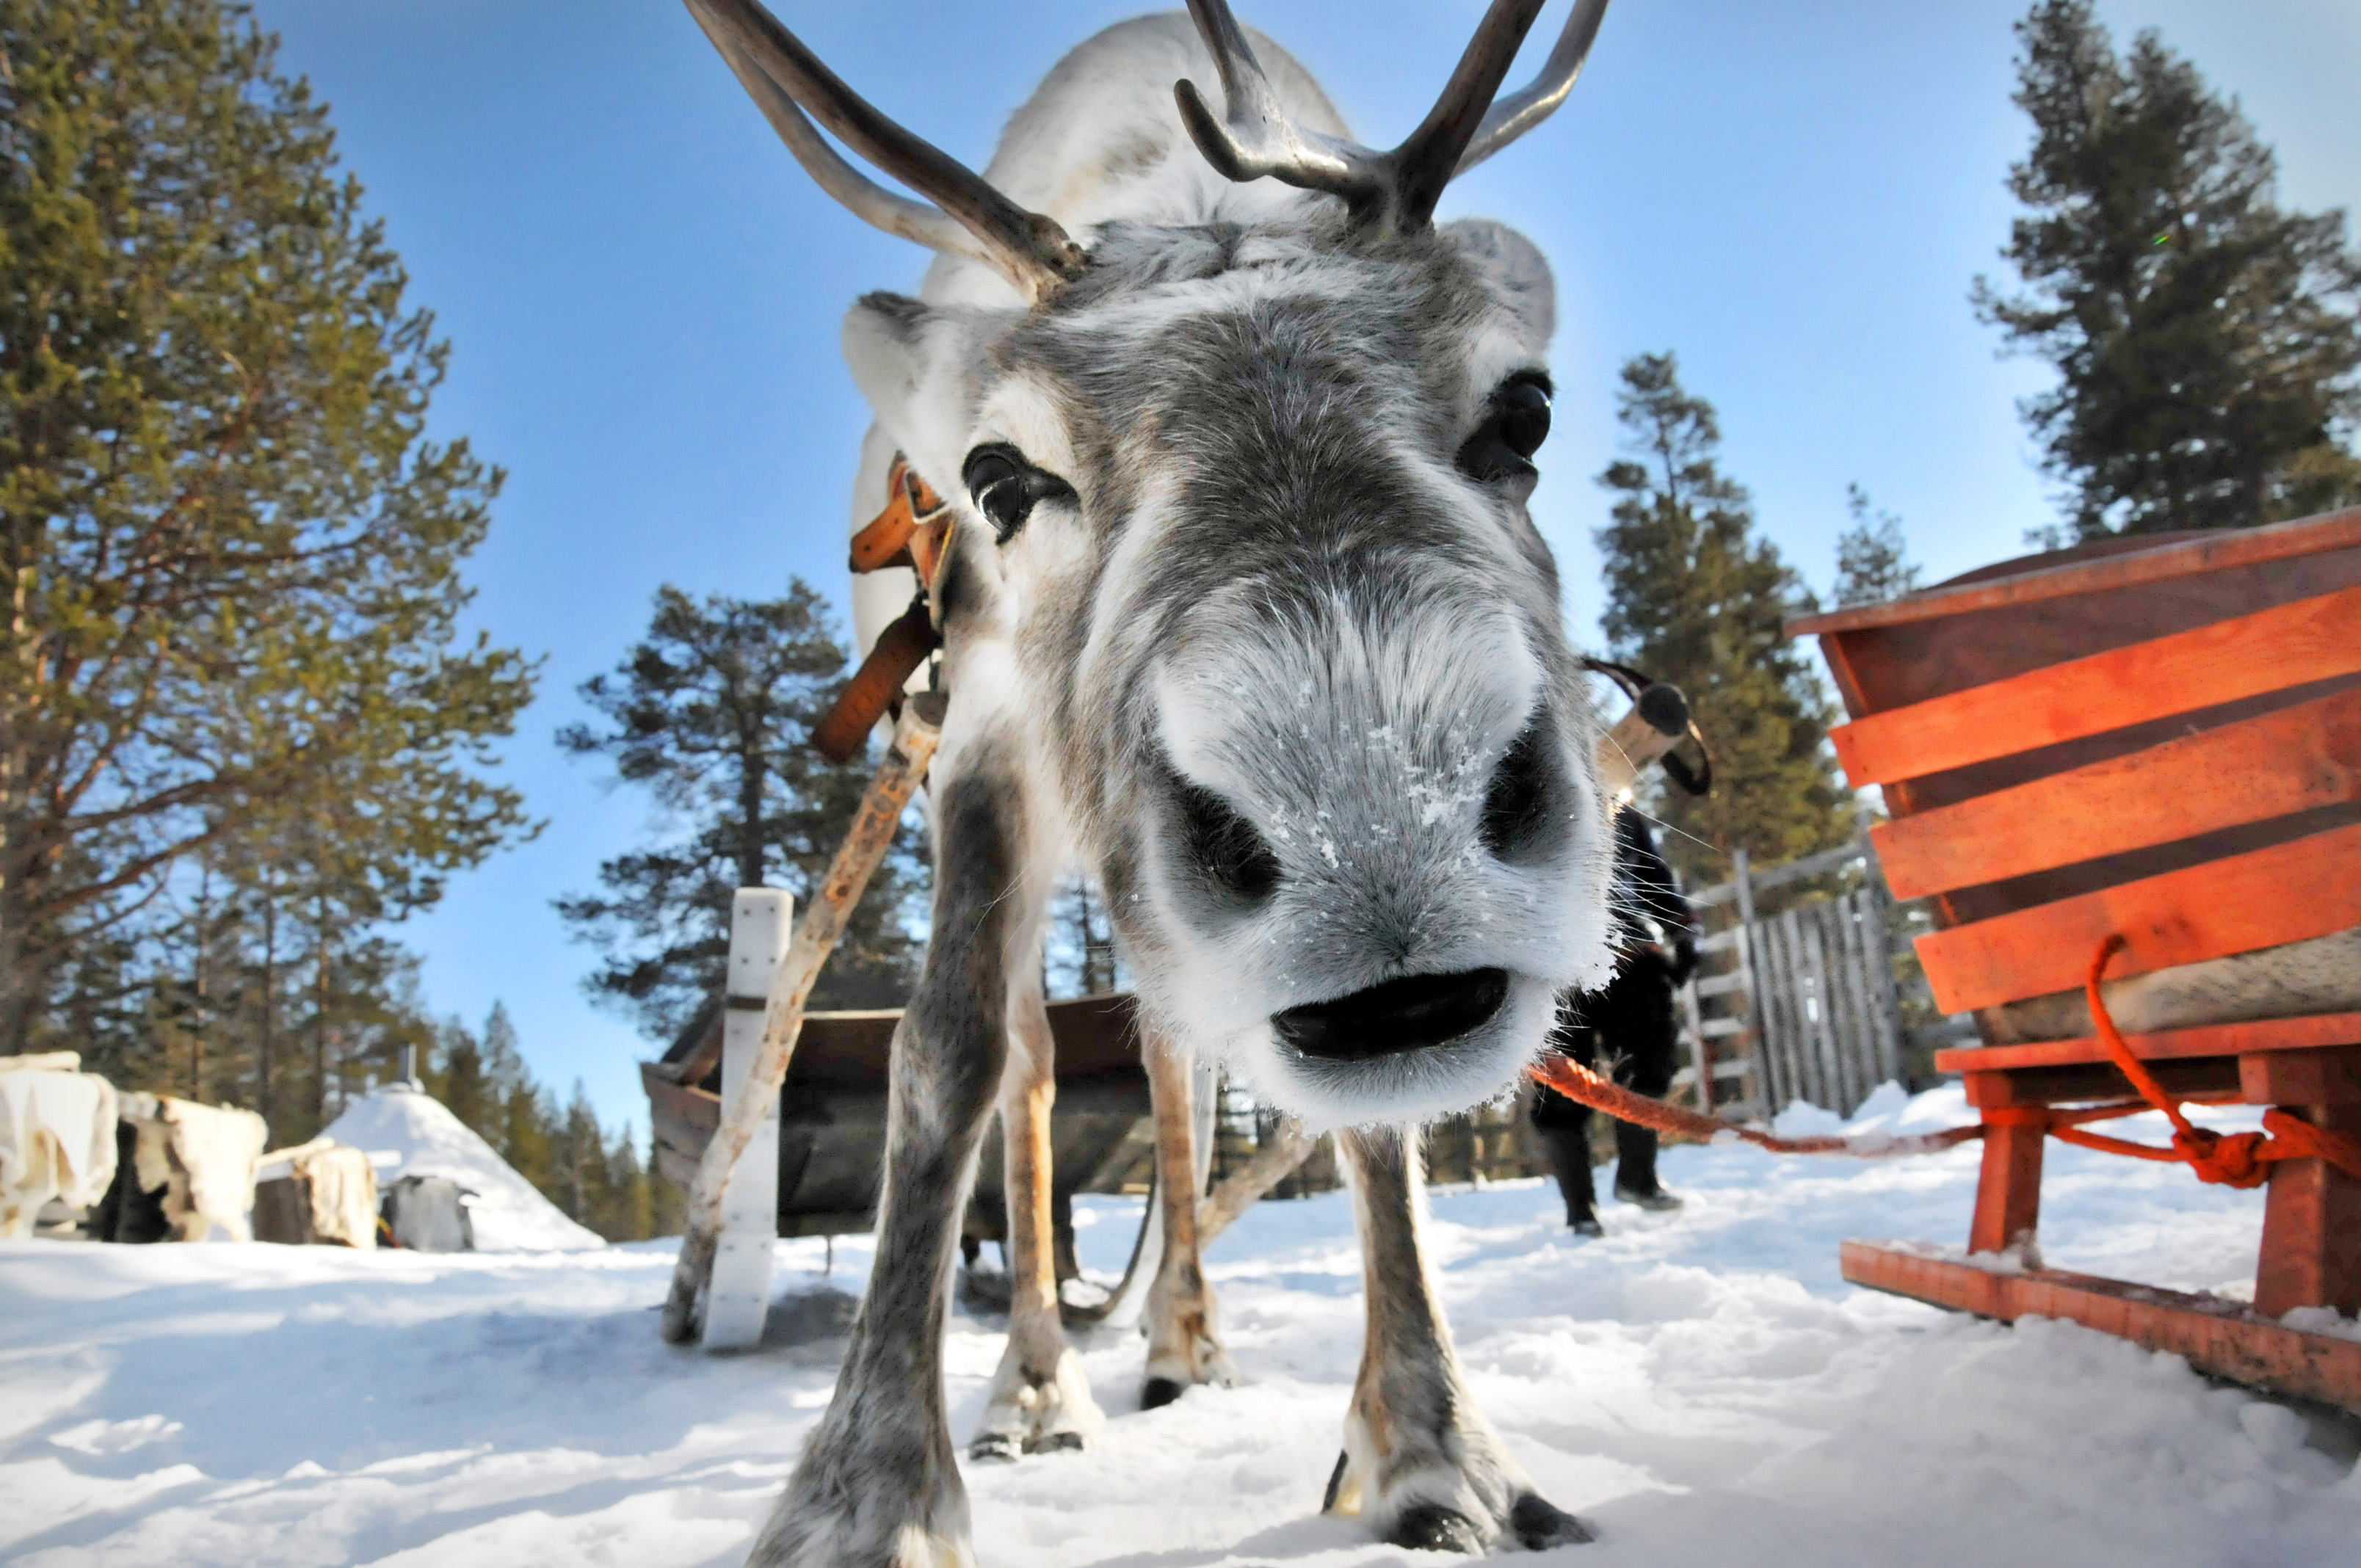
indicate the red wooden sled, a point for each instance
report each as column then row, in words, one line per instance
column 2155, row 739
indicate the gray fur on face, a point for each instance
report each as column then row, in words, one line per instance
column 1297, row 602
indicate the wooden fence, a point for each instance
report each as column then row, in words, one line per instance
column 1804, row 1004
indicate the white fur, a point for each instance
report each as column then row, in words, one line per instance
column 57, row 1140
column 205, row 1156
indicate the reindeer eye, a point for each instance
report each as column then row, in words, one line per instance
column 1005, row 488
column 1514, row 429
column 1524, row 416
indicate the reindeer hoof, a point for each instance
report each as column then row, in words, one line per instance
column 1335, row 1484
column 995, row 1447
column 1161, row 1392
column 1056, row 1442
column 1429, row 1527
column 1539, row 1524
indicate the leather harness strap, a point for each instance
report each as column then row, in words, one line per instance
column 909, row 532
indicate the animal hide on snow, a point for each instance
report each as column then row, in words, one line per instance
column 204, row 1156
column 329, row 1198
column 56, row 1137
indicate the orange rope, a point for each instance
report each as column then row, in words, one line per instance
column 1579, row 1084
column 2237, row 1160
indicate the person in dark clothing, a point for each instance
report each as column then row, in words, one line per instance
column 1628, row 1026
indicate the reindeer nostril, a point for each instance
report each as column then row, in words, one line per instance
column 1517, row 802
column 1224, row 846
column 1404, row 1015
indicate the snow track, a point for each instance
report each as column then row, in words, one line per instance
column 1702, row 1386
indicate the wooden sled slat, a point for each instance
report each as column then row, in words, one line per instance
column 2291, row 645
column 2288, row 892
column 2217, row 552
column 2310, row 1033
column 2226, row 1339
column 2296, row 759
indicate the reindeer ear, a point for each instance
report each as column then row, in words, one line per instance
column 885, row 346
column 920, row 366
column 1514, row 271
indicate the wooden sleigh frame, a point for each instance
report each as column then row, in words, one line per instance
column 2159, row 739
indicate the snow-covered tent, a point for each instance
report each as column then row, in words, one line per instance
column 509, row 1214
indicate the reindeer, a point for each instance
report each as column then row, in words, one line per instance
column 1241, row 608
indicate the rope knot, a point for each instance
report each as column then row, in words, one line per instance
column 2232, row 1161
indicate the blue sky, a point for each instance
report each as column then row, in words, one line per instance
column 642, row 293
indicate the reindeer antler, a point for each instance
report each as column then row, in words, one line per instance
column 1396, row 190
column 1520, row 111
column 969, row 218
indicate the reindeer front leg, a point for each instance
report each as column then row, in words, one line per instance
column 1040, row 1401
column 1421, row 1463
column 1183, row 1344
column 878, row 1483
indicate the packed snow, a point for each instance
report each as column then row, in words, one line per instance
column 1701, row 1385
column 407, row 1132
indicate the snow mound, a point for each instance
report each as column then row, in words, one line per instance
column 509, row 1212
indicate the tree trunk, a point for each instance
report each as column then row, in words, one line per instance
column 752, row 776
column 270, row 1005
column 320, row 1027
column 204, row 987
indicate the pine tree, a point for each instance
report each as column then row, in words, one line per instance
column 527, row 1141
column 1873, row 561
column 466, row 1090
column 1695, row 598
column 629, row 1214
column 578, row 1158
column 712, row 714
column 667, row 1204
column 592, row 1176
column 2204, row 340
column 231, row 555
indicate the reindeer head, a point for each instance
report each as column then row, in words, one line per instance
column 1243, row 553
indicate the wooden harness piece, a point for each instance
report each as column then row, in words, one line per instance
column 911, row 531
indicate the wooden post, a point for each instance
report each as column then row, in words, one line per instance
column 1700, row 1059
column 2311, row 1227
column 1861, row 1006
column 1819, row 1032
column 2008, row 1193
column 739, row 1297
column 1769, row 1079
column 1878, row 932
column 1839, row 940
column 915, row 739
column 1274, row 1161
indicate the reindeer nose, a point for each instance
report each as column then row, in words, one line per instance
column 1405, row 1015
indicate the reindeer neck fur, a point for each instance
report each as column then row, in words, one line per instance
column 1271, row 607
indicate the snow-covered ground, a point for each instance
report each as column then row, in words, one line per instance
column 1701, row 1385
